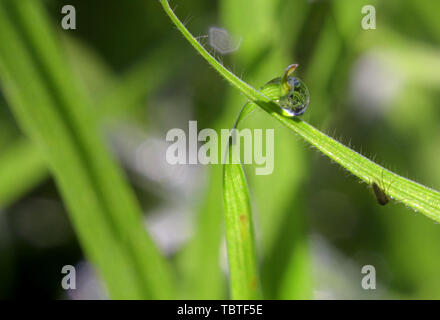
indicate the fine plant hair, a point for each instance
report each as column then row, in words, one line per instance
column 414, row 195
column 240, row 240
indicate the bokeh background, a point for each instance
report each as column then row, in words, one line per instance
column 377, row 90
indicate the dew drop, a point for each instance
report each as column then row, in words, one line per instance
column 297, row 99
column 294, row 94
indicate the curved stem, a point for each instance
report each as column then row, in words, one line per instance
column 414, row 195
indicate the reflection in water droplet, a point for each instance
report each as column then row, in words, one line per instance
column 296, row 101
column 294, row 94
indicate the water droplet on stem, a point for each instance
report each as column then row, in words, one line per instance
column 294, row 94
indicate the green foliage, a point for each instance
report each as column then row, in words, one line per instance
column 54, row 111
column 414, row 195
column 21, row 167
column 243, row 269
column 306, row 229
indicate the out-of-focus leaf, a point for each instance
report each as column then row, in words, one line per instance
column 53, row 110
column 21, row 167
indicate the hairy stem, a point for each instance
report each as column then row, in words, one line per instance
column 414, row 195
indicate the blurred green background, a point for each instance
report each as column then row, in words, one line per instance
column 316, row 225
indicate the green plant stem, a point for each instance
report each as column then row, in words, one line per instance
column 410, row 193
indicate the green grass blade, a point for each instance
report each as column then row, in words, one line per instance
column 240, row 241
column 205, row 280
column 21, row 167
column 52, row 109
column 282, row 237
column 412, row 194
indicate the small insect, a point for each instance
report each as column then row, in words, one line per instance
column 380, row 194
